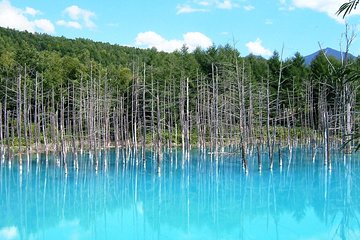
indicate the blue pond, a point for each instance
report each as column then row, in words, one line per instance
column 196, row 198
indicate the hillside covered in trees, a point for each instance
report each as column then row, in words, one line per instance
column 66, row 95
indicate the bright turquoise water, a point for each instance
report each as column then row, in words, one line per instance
column 197, row 199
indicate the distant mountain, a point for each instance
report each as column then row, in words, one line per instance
column 329, row 52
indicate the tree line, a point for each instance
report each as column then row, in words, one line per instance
column 61, row 95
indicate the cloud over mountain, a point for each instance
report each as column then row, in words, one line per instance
column 191, row 39
column 23, row 19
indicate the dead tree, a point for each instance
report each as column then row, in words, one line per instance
column 18, row 116
column 240, row 81
column 144, row 115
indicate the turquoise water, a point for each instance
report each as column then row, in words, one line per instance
column 199, row 198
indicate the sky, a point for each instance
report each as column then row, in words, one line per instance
column 252, row 26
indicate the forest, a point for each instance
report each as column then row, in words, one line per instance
column 67, row 96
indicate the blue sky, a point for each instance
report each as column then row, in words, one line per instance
column 254, row 26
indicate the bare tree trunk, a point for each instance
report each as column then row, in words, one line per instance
column 349, row 37
column 25, row 114
column 80, row 116
column 144, row 117
column 209, row 118
column 258, row 150
column 152, row 112
column 62, row 133
column 187, row 121
column 197, row 115
column 159, row 140
column 2, row 159
column 240, row 81
column 182, row 115
column 116, row 126
column 214, row 119
column 164, row 110
column 135, row 112
column 348, row 117
column 326, row 140
column 43, row 122
column 12, row 127
column 122, row 123
column 127, row 128
column 269, row 145
column 18, row 117
column 251, row 114
column 203, row 117
column 36, row 119
column 54, row 124
column 260, row 99
column 107, row 116
column 289, row 142
column 244, row 142
column 116, row 113
column 7, row 127
column 74, row 128
column 277, row 118
column 170, row 122
column 89, row 113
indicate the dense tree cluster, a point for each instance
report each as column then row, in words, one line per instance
column 60, row 94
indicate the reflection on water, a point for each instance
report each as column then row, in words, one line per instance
column 9, row 233
column 196, row 198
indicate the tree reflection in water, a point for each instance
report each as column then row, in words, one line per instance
column 195, row 197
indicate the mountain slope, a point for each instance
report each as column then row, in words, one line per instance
column 329, row 52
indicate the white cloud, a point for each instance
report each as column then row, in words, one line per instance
column 196, row 39
column 9, row 233
column 256, row 48
column 325, row 6
column 319, row 5
column 45, row 25
column 152, row 39
column 249, row 7
column 32, row 11
column 16, row 18
column 225, row 4
column 76, row 13
column 205, row 6
column 70, row 24
column 190, row 39
column 13, row 17
column 181, row 9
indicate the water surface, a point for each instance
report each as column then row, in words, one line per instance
column 196, row 198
